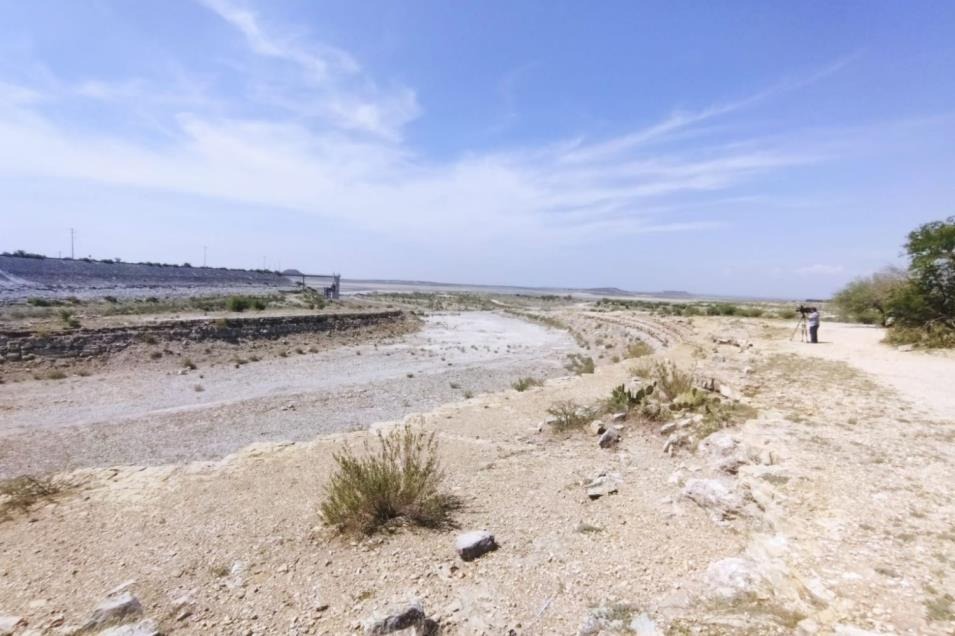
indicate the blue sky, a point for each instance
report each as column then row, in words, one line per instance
column 773, row 149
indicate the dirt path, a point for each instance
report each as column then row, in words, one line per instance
column 926, row 379
column 861, row 508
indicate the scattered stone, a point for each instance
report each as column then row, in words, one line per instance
column 412, row 617
column 718, row 445
column 618, row 417
column 116, row 609
column 145, row 627
column 603, row 484
column 643, row 625
column 732, row 578
column 714, row 496
column 183, row 606
column 471, row 545
column 597, row 427
column 675, row 441
column 9, row 623
column 905, row 348
column 610, row 437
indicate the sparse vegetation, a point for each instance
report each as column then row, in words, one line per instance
column 567, row 416
column 579, row 364
column 671, row 380
column 241, row 303
column 522, row 384
column 67, row 317
column 400, row 480
column 189, row 364
column 22, row 493
column 638, row 349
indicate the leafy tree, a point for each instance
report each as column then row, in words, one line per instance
column 931, row 298
column 868, row 299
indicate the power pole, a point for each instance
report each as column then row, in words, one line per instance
column 72, row 234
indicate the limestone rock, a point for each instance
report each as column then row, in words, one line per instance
column 118, row 608
column 9, row 623
column 618, row 417
column 142, row 628
column 471, row 545
column 732, row 578
column 718, row 445
column 597, row 427
column 714, row 496
column 643, row 625
column 610, row 437
column 603, row 484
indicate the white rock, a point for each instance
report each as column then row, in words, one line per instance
column 597, row 427
column 618, row 417
column 732, row 578
column 9, row 623
column 604, row 484
column 713, row 495
column 115, row 609
column 719, row 444
column 643, row 625
column 142, row 628
column 471, row 545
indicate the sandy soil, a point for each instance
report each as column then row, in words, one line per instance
column 849, row 525
column 153, row 413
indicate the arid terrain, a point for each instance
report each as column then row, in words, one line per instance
column 823, row 504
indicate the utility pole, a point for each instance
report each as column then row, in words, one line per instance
column 204, row 248
column 72, row 234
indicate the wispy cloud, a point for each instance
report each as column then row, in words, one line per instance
column 325, row 139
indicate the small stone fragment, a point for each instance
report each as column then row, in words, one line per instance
column 471, row 545
column 115, row 609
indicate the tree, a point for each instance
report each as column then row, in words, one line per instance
column 931, row 248
column 869, row 299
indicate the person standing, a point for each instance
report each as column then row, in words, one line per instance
column 813, row 320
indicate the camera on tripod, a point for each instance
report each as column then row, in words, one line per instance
column 804, row 310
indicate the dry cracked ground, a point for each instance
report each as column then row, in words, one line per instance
column 830, row 511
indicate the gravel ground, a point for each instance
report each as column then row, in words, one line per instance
column 144, row 415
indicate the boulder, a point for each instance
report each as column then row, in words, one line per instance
column 717, row 498
column 115, row 609
column 603, row 484
column 718, row 445
column 597, row 427
column 610, row 437
column 732, row 578
column 410, row 617
column 8, row 624
column 471, row 545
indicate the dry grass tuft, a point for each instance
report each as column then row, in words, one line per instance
column 22, row 493
column 400, row 480
column 638, row 349
column 567, row 415
column 671, row 381
column 522, row 384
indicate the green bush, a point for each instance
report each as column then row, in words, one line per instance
column 567, row 415
column 638, row 349
column 522, row 384
column 579, row 364
column 238, row 303
column 400, row 480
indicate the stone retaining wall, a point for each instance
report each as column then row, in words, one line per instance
column 84, row 343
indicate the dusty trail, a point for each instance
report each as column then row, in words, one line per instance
column 864, row 436
column 926, row 379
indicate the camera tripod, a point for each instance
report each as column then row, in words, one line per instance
column 801, row 328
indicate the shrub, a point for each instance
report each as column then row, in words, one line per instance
column 400, row 480
column 237, row 303
column 671, row 381
column 69, row 319
column 567, row 415
column 579, row 364
column 189, row 364
column 155, row 355
column 638, row 349
column 55, row 374
column 23, row 492
column 522, row 384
